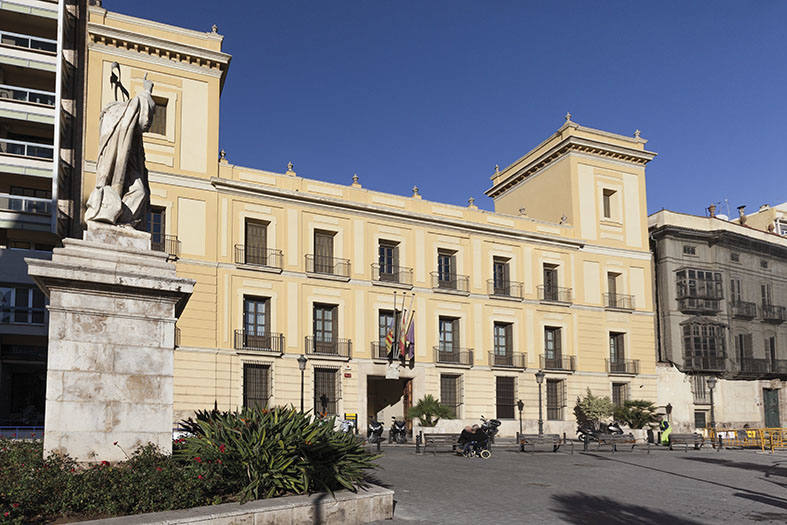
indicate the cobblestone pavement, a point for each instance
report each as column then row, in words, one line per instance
column 704, row 486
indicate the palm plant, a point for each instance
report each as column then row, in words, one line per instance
column 429, row 411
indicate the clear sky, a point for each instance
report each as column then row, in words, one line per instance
column 436, row 93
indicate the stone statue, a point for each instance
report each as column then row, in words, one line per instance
column 122, row 194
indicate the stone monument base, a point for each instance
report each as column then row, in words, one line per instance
column 113, row 303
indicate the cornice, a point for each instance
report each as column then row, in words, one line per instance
column 729, row 239
column 571, row 144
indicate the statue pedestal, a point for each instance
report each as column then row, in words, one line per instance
column 113, row 303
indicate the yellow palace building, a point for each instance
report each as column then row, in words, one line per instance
column 557, row 279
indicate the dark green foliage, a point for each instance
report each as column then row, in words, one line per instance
column 429, row 411
column 636, row 413
column 590, row 410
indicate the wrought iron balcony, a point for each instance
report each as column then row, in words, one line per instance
column 743, row 309
column 619, row 301
column 453, row 355
column 26, row 149
column 498, row 288
column 256, row 342
column 558, row 363
column 34, row 43
column 327, row 265
column 32, row 96
column 336, row 347
column 379, row 351
column 704, row 363
column 168, row 244
column 623, row 366
column 450, row 282
column 509, row 360
column 555, row 294
column 699, row 305
column 772, row 313
column 392, row 274
column 258, row 256
column 762, row 368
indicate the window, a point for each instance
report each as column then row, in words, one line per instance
column 388, row 258
column 735, row 290
column 500, row 276
column 449, row 334
column 766, row 294
column 617, row 352
column 159, row 123
column 22, row 304
column 325, row 328
column 619, row 393
column 743, row 347
column 505, row 397
column 156, row 227
column 256, row 320
column 763, row 263
column 703, row 345
column 31, row 192
column 446, row 269
column 503, row 341
column 699, row 283
column 256, row 385
column 256, row 246
column 323, row 251
column 555, row 399
column 689, row 249
column 385, row 322
column 552, row 350
column 735, row 257
column 781, row 227
column 700, row 419
column 550, row 282
column 326, row 393
column 612, row 284
column 770, row 349
column 700, row 389
column 450, row 392
column 609, row 202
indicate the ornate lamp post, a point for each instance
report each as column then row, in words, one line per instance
column 520, row 405
column 302, row 366
column 711, row 386
column 540, row 379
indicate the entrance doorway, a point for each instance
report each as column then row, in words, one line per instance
column 770, row 397
column 389, row 398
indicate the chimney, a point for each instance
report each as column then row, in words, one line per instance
column 712, row 210
column 742, row 215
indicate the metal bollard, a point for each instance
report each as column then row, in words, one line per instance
column 418, row 443
column 585, row 440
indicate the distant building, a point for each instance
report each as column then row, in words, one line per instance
column 767, row 218
column 721, row 292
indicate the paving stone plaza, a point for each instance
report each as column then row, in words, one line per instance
column 732, row 486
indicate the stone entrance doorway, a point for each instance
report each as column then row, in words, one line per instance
column 771, row 404
column 389, row 398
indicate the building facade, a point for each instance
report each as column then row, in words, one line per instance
column 766, row 218
column 720, row 291
column 558, row 278
column 41, row 45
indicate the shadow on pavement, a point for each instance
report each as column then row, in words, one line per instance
column 768, row 470
column 582, row 509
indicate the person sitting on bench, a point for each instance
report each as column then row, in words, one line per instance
column 466, row 439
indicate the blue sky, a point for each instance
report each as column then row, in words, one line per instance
column 436, row 93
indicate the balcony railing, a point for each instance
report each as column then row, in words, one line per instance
column 35, row 43
column 504, row 288
column 379, row 351
column 451, row 282
column 773, row 313
column 623, row 366
column 258, row 256
column 743, row 309
column 392, row 274
column 327, row 265
column 704, row 363
column 22, row 315
column 619, row 301
column 32, row 96
column 26, row 149
column 509, row 360
column 168, row 244
column 558, row 363
column 21, row 204
column 699, row 305
column 453, row 355
column 336, row 348
column 757, row 367
column 271, row 342
column 554, row 294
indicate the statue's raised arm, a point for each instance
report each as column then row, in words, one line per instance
column 122, row 194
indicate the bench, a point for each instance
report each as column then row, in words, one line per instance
column 613, row 440
column 686, row 439
column 434, row 441
column 531, row 440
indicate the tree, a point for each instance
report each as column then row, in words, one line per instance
column 429, row 411
column 636, row 413
column 591, row 409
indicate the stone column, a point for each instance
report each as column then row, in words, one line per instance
column 113, row 303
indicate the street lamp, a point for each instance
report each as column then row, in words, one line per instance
column 540, row 379
column 520, row 405
column 302, row 366
column 711, row 386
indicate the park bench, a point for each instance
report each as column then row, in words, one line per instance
column 686, row 439
column 531, row 440
column 613, row 440
column 435, row 441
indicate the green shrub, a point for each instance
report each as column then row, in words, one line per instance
column 277, row 452
column 429, row 411
column 591, row 409
column 636, row 413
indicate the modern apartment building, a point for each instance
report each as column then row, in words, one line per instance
column 40, row 126
column 557, row 279
column 721, row 292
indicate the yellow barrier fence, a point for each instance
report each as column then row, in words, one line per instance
column 769, row 439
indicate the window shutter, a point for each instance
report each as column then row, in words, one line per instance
column 509, row 338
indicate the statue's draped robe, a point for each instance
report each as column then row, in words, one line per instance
column 122, row 193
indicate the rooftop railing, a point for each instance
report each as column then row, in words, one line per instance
column 32, row 96
column 26, row 149
column 34, row 43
